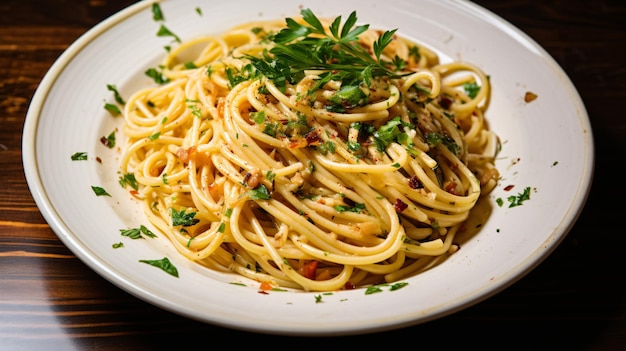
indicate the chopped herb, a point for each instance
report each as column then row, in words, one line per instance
column 113, row 109
column 79, row 156
column 99, row 191
column 164, row 264
column 129, row 179
column 379, row 288
column 116, row 94
column 397, row 286
column 358, row 207
column 259, row 193
column 236, row 76
column 195, row 110
column 258, row 117
column 108, row 141
column 499, row 201
column 157, row 14
column 156, row 75
column 471, row 89
column 327, row 147
column 517, row 200
column 154, row 136
column 373, row 289
column 388, row 133
column 270, row 175
column 165, row 32
column 118, row 245
column 415, row 52
column 435, row 138
column 183, row 218
column 138, row 233
column 318, row 298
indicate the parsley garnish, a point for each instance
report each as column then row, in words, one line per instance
column 108, row 141
column 113, row 109
column 137, row 233
column 471, row 89
column 300, row 47
column 116, row 94
column 79, row 156
column 357, row 208
column 99, row 191
column 164, row 264
column 129, row 179
column 379, row 288
column 516, row 200
column 259, row 193
column 435, row 138
column 391, row 132
column 156, row 75
column 183, row 218
column 157, row 14
column 165, row 32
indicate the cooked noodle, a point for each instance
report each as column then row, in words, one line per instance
column 278, row 182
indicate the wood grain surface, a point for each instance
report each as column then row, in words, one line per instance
column 575, row 300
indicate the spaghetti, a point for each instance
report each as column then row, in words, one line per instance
column 311, row 155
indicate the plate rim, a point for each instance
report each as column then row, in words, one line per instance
column 57, row 224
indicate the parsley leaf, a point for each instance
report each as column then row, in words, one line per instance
column 116, row 94
column 165, row 32
column 99, row 191
column 157, row 14
column 259, row 193
column 164, row 264
column 129, row 179
column 517, row 200
column 471, row 89
column 182, row 217
column 137, row 233
column 79, row 156
column 299, row 47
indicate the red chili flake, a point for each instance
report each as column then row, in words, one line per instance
column 348, row 286
column 445, row 102
column 508, row 187
column 104, row 141
column 312, row 137
column 98, row 159
column 415, row 183
column 451, row 188
column 399, row 206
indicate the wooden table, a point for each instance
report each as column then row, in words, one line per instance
column 574, row 300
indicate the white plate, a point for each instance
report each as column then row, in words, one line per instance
column 547, row 145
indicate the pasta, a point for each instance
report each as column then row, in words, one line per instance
column 311, row 154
